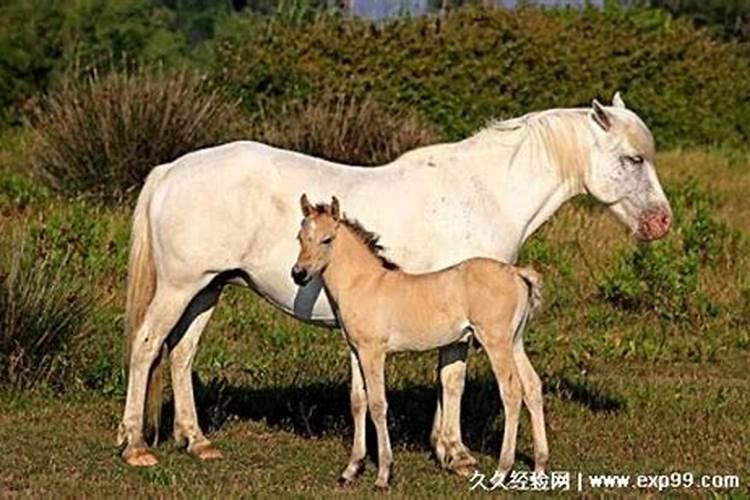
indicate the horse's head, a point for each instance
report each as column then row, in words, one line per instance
column 316, row 237
column 621, row 170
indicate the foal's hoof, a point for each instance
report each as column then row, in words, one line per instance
column 206, row 452
column 499, row 477
column 139, row 458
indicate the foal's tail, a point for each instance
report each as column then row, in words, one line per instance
column 534, row 282
column 141, row 291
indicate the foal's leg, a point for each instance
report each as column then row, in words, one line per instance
column 446, row 430
column 532, row 396
column 187, row 431
column 162, row 314
column 372, row 362
column 359, row 415
column 500, row 353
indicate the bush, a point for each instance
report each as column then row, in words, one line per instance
column 478, row 64
column 103, row 134
column 41, row 312
column 350, row 130
column 664, row 277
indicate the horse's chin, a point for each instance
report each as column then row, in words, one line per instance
column 641, row 236
column 646, row 224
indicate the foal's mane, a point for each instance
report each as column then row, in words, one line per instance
column 368, row 238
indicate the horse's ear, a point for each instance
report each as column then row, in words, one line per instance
column 335, row 208
column 617, row 101
column 600, row 115
column 305, row 205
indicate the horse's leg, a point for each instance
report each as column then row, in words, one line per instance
column 187, row 431
column 500, row 352
column 162, row 314
column 532, row 396
column 446, row 432
column 372, row 362
column 359, row 415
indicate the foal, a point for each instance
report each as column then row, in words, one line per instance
column 382, row 309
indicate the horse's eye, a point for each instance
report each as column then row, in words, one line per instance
column 327, row 240
column 635, row 159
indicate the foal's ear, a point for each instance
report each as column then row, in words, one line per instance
column 617, row 101
column 305, row 205
column 335, row 208
column 600, row 115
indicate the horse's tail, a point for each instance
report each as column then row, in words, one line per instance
column 534, row 281
column 141, row 291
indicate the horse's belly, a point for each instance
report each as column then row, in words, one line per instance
column 273, row 282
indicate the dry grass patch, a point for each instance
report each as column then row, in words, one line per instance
column 104, row 133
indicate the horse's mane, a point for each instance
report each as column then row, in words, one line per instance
column 368, row 238
column 555, row 133
column 558, row 134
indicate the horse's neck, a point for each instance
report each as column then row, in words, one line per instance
column 527, row 183
column 351, row 260
column 541, row 201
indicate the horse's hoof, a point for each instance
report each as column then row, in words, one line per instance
column 464, row 470
column 140, row 458
column 343, row 482
column 381, row 487
column 462, row 463
column 207, row 452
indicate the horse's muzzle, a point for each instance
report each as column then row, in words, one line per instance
column 300, row 276
column 655, row 224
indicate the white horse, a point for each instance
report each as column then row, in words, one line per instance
column 228, row 215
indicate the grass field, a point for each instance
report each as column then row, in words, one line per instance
column 644, row 352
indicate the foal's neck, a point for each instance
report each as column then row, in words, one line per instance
column 351, row 264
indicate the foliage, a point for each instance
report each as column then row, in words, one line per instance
column 664, row 277
column 457, row 71
column 477, row 64
column 40, row 41
column 728, row 18
column 354, row 131
column 105, row 133
column 41, row 313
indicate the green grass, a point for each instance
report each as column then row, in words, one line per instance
column 666, row 418
column 629, row 387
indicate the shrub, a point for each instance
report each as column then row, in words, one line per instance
column 41, row 312
column 103, row 134
column 350, row 130
column 664, row 277
column 478, row 64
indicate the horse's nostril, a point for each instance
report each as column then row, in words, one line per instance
column 664, row 220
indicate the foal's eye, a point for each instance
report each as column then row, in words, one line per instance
column 635, row 159
column 327, row 240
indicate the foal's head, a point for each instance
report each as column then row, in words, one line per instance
column 316, row 237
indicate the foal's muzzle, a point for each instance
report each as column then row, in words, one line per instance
column 300, row 276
